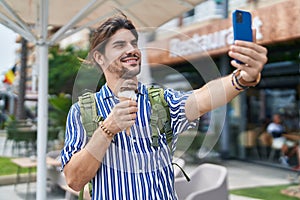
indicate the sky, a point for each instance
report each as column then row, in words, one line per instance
column 7, row 48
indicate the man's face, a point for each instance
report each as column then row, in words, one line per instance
column 122, row 56
column 277, row 119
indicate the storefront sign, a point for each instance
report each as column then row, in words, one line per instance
column 199, row 43
column 275, row 23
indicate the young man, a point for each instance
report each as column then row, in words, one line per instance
column 127, row 166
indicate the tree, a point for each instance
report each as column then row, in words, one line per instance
column 63, row 68
column 68, row 76
column 22, row 83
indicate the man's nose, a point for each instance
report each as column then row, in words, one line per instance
column 131, row 48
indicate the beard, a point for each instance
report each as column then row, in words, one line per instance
column 117, row 68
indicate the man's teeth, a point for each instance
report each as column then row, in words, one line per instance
column 131, row 61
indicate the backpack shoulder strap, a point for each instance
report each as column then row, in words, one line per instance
column 88, row 111
column 160, row 119
column 90, row 121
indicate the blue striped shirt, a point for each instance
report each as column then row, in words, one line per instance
column 132, row 168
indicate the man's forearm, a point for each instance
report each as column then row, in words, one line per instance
column 212, row 95
column 83, row 165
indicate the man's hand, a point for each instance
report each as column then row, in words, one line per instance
column 218, row 92
column 122, row 116
column 252, row 55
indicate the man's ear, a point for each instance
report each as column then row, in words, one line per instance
column 98, row 57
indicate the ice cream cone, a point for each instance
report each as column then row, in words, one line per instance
column 124, row 96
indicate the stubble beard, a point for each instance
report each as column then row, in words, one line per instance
column 123, row 72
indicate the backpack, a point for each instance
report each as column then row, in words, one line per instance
column 160, row 119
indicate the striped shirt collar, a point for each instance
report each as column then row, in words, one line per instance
column 106, row 92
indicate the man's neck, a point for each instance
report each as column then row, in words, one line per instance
column 115, row 84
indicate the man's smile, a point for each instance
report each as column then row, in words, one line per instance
column 130, row 59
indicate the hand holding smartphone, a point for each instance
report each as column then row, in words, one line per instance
column 242, row 26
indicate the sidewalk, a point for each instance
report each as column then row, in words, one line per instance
column 245, row 175
column 20, row 192
column 240, row 175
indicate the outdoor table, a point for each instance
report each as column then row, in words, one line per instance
column 28, row 162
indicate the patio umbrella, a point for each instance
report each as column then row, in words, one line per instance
column 31, row 19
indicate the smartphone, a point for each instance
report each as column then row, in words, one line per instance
column 242, row 26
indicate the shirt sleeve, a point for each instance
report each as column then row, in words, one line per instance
column 75, row 136
column 176, row 101
column 270, row 128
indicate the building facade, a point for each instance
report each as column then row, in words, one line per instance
column 190, row 56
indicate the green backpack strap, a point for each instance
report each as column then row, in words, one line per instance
column 90, row 122
column 160, row 119
column 90, row 119
column 80, row 196
column 81, row 193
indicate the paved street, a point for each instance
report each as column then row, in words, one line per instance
column 240, row 175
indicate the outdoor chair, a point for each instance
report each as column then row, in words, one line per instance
column 208, row 181
column 265, row 142
column 20, row 133
column 53, row 136
column 9, row 137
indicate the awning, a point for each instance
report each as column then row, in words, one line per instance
column 24, row 16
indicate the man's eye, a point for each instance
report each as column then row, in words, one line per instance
column 134, row 44
column 119, row 45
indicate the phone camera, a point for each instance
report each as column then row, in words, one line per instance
column 239, row 17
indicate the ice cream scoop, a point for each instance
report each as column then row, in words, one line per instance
column 127, row 94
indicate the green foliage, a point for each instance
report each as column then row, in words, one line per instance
column 69, row 75
column 10, row 120
column 59, row 108
column 63, row 68
column 266, row 193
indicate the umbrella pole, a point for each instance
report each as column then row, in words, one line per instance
column 42, row 133
column 42, row 122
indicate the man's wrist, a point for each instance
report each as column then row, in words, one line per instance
column 242, row 82
column 98, row 144
column 106, row 132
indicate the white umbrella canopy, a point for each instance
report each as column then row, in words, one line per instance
column 75, row 15
column 32, row 18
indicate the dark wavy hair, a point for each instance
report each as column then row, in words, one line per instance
column 108, row 28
